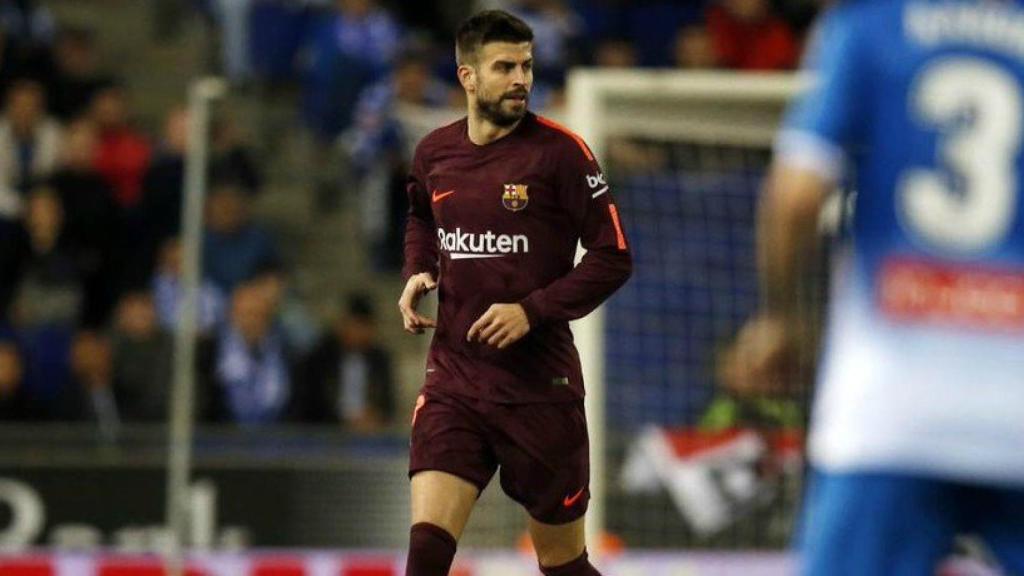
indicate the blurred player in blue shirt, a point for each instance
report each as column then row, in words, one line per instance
column 917, row 431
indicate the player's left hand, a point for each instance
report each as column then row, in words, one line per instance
column 764, row 360
column 500, row 326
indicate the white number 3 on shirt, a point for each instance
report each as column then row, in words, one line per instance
column 977, row 106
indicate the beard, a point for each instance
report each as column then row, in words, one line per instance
column 495, row 113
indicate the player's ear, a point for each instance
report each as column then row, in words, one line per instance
column 467, row 77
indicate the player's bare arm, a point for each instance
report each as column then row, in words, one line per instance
column 417, row 286
column 500, row 326
column 764, row 355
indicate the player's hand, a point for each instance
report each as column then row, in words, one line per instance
column 764, row 359
column 500, row 326
column 415, row 288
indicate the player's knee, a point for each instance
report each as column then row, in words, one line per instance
column 557, row 554
column 431, row 550
column 580, row 566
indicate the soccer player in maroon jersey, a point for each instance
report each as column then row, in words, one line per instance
column 498, row 202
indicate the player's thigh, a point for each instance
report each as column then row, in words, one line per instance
column 999, row 519
column 442, row 499
column 557, row 544
column 872, row 524
column 544, row 453
column 450, row 461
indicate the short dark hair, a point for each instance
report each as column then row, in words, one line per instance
column 486, row 27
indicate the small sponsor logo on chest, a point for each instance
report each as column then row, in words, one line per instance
column 514, row 197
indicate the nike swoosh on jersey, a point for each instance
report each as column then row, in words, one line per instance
column 570, row 500
column 438, row 196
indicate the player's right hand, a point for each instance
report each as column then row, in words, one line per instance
column 415, row 288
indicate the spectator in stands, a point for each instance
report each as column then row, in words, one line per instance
column 76, row 76
column 247, row 367
column 20, row 62
column 91, row 398
column 748, row 35
column 350, row 374
column 233, row 246
column 30, row 141
column 231, row 158
column 47, row 283
column 693, row 48
column 615, row 53
column 12, row 374
column 124, row 152
column 234, row 17
column 95, row 225
column 558, row 34
column 142, row 355
column 45, row 295
column 350, row 49
column 167, row 293
column 26, row 22
column 290, row 313
column 159, row 213
column 378, row 147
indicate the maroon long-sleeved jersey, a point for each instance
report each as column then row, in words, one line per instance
column 499, row 223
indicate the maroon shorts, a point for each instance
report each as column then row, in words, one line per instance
column 542, row 450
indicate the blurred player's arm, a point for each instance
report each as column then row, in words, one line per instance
column 822, row 125
column 421, row 265
column 787, row 235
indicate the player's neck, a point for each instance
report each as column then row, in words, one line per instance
column 483, row 132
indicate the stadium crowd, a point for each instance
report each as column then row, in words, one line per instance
column 90, row 203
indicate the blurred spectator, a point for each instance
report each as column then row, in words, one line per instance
column 124, row 152
column 615, row 53
column 92, row 396
column 230, row 157
column 142, row 356
column 649, row 25
column 247, row 367
column 351, row 48
column 47, row 287
column 277, row 30
column 44, row 293
column 557, row 32
column 30, row 141
column 158, row 216
column 95, row 223
column 26, row 22
column 76, row 76
column 693, row 48
column 350, row 375
column 377, row 147
column 233, row 245
column 377, row 131
column 291, row 315
column 167, row 293
column 19, row 61
column 747, row 35
column 234, row 19
column 12, row 374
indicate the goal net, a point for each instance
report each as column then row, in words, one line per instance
column 677, row 462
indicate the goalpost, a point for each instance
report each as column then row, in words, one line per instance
column 666, row 110
column 202, row 94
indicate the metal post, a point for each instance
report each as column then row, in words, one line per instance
column 201, row 93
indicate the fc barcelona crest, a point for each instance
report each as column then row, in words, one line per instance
column 514, row 197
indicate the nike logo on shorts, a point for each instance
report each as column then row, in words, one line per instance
column 438, row 196
column 570, row 500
